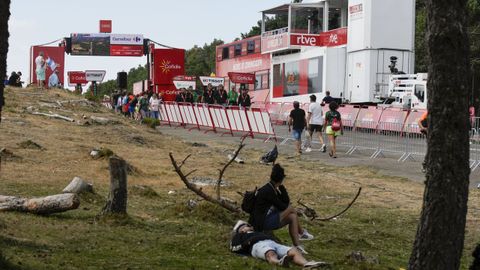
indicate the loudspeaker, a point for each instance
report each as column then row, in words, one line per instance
column 122, row 80
column 146, row 43
column 68, row 45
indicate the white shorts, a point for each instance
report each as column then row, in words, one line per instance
column 261, row 248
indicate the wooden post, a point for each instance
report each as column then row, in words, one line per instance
column 117, row 199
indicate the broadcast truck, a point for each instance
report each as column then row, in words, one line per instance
column 408, row 90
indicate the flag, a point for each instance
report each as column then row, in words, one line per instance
column 51, row 63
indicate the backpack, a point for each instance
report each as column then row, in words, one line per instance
column 248, row 201
column 336, row 124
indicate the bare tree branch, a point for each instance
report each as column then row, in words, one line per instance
column 223, row 203
column 184, row 160
column 222, row 171
column 313, row 214
column 192, row 171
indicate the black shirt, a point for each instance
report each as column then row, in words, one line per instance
column 209, row 97
column 222, row 97
column 267, row 196
column 13, row 80
column 242, row 243
column 328, row 100
column 298, row 116
column 244, row 100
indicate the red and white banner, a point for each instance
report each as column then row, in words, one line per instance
column 77, row 77
column 95, row 75
column 54, row 58
column 126, row 50
column 271, row 43
column 331, row 38
column 247, row 78
column 215, row 81
column 305, row 40
column 185, row 82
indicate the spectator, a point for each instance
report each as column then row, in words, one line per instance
column 423, row 123
column 189, row 95
column 327, row 99
column 181, row 96
column 315, row 123
column 53, row 79
column 125, row 104
column 272, row 209
column 19, row 80
column 222, row 96
column 144, row 104
column 244, row 98
column 12, row 81
column 114, row 99
column 154, row 106
column 246, row 241
column 133, row 100
column 209, row 96
column 40, row 68
column 5, row 82
column 232, row 97
column 298, row 121
column 333, row 126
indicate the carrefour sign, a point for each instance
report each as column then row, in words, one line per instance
column 126, row 39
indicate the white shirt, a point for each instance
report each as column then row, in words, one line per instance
column 317, row 114
column 39, row 62
column 154, row 104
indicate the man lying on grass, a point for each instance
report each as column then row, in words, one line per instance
column 247, row 242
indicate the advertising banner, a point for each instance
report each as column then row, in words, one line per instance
column 105, row 44
column 54, row 58
column 95, row 75
column 105, row 26
column 185, row 82
column 247, row 78
column 331, row 38
column 77, row 77
column 167, row 63
column 271, row 43
column 215, row 81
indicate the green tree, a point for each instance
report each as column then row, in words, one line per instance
column 200, row 61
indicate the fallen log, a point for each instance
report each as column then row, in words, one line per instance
column 41, row 205
column 77, row 185
column 57, row 116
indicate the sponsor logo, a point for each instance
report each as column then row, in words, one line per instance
column 355, row 9
column 306, row 40
column 333, row 39
column 247, row 65
column 166, row 66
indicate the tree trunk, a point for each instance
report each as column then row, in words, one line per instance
column 42, row 205
column 440, row 233
column 117, row 199
column 4, row 15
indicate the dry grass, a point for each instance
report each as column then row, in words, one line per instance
column 165, row 234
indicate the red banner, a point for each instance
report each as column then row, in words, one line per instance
column 247, row 78
column 105, row 26
column 126, row 50
column 331, row 38
column 167, row 63
column 54, row 60
column 76, row 77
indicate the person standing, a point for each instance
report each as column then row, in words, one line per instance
column 40, row 68
column 315, row 123
column 298, row 121
column 154, row 106
column 327, row 99
column 244, row 98
column 144, row 104
column 333, row 127
column 209, row 96
column 232, row 97
column 189, row 95
column 272, row 209
column 222, row 96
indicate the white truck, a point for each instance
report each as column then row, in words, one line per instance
column 408, row 90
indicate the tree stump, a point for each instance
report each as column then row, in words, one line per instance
column 117, row 198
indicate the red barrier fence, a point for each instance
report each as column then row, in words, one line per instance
column 218, row 118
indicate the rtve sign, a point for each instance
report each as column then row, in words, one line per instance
column 329, row 39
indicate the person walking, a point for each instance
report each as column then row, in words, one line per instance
column 315, row 124
column 272, row 209
column 154, row 106
column 333, row 127
column 298, row 121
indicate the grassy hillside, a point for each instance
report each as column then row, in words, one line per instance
column 161, row 231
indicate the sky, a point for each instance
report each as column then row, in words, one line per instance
column 180, row 24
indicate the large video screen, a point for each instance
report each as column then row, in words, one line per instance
column 103, row 44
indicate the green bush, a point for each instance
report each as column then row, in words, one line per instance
column 151, row 122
